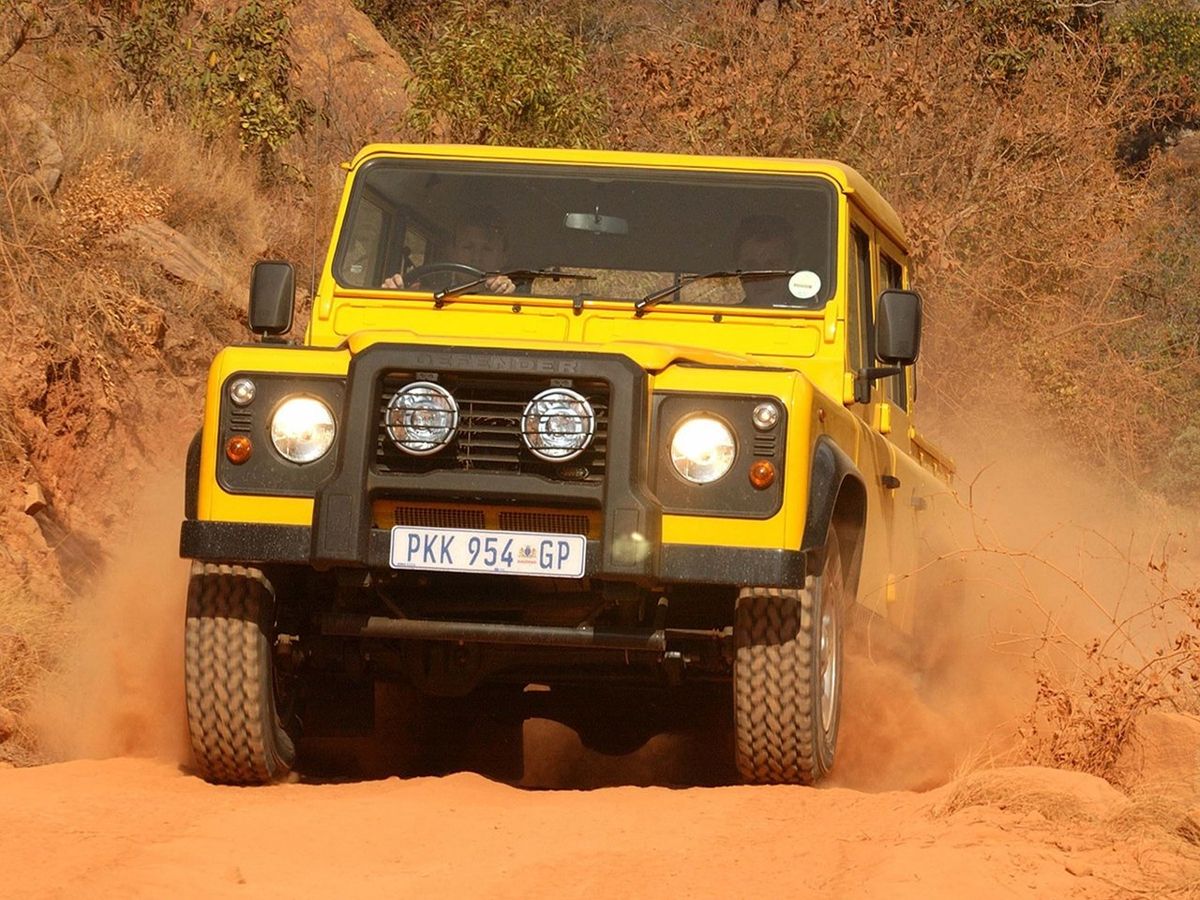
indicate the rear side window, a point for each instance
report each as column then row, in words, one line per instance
column 892, row 274
column 860, row 319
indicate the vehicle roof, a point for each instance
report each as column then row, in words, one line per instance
column 847, row 178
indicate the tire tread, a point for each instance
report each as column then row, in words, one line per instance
column 235, row 735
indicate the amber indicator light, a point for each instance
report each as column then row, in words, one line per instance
column 238, row 449
column 762, row 474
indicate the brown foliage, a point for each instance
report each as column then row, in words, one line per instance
column 1023, row 221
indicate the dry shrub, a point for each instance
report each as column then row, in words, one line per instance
column 1023, row 220
column 102, row 201
column 1084, row 716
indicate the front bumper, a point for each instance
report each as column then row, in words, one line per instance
column 244, row 542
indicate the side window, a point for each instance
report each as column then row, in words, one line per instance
column 892, row 274
column 361, row 263
column 859, row 318
column 415, row 245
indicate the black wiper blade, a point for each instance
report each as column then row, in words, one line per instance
column 655, row 297
column 439, row 296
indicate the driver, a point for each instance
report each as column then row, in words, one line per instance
column 481, row 242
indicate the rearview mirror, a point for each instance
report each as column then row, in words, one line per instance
column 596, row 223
column 898, row 327
column 272, row 297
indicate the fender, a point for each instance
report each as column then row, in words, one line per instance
column 836, row 495
column 191, row 484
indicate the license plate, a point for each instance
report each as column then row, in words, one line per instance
column 498, row 552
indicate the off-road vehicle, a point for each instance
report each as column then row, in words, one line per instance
column 568, row 419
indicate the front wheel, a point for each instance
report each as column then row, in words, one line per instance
column 237, row 737
column 787, row 676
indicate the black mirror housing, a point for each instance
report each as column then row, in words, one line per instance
column 272, row 297
column 898, row 327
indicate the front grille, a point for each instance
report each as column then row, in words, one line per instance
column 438, row 517
column 489, row 430
column 544, row 522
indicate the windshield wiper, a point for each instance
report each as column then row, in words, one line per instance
column 439, row 296
column 656, row 297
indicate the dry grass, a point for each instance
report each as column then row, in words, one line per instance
column 1021, row 790
column 98, row 343
column 32, row 638
column 1095, row 825
column 209, row 190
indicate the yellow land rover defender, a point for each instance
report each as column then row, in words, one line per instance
column 600, row 424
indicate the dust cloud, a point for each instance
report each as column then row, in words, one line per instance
column 1044, row 557
column 119, row 689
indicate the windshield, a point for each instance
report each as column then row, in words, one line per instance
column 431, row 225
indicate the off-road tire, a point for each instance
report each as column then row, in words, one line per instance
column 237, row 737
column 779, row 734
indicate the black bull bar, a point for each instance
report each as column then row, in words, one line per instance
column 632, row 517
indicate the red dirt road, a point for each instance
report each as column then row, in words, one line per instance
column 139, row 828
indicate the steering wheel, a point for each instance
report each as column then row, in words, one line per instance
column 417, row 273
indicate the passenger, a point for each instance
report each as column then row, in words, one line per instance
column 765, row 242
column 481, row 242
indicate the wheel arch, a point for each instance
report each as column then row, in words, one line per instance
column 191, row 488
column 837, row 496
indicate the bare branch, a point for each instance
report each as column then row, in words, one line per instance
column 27, row 32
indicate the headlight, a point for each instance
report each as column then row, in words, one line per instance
column 558, row 425
column 703, row 449
column 302, row 429
column 422, row 418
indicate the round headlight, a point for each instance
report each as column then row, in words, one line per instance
column 302, row 429
column 422, row 418
column 558, row 425
column 702, row 449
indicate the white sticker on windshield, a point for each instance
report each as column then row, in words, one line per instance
column 804, row 285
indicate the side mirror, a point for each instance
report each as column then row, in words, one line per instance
column 898, row 327
column 272, row 297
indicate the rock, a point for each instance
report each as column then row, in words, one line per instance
column 347, row 70
column 179, row 256
column 8, row 724
column 1185, row 149
column 1078, row 869
column 39, row 148
column 35, row 499
column 1164, row 752
column 767, row 10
